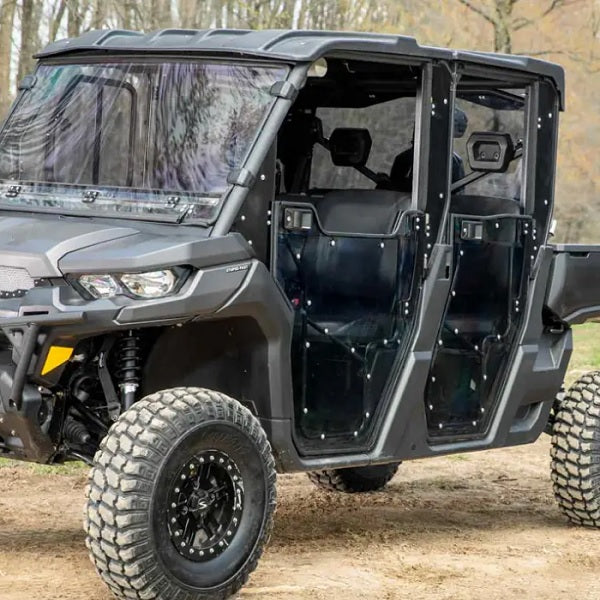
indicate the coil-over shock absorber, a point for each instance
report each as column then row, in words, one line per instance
column 128, row 368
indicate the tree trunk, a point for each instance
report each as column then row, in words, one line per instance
column 99, row 17
column 29, row 38
column 160, row 14
column 56, row 20
column 7, row 17
column 75, row 18
column 502, row 26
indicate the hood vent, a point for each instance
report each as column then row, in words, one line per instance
column 14, row 282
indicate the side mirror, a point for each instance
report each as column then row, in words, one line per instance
column 27, row 83
column 350, row 147
column 490, row 152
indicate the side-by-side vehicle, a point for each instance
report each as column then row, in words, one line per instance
column 226, row 254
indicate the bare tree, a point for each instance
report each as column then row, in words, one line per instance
column 7, row 17
column 30, row 38
column 77, row 10
column 500, row 15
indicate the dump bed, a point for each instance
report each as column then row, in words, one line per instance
column 574, row 287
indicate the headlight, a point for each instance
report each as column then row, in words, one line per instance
column 100, row 286
column 154, row 284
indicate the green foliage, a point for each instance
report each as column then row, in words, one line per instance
column 70, row 468
column 586, row 355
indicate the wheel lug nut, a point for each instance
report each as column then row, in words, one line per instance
column 173, row 505
column 212, row 458
column 177, row 490
column 173, row 520
column 177, row 533
column 182, row 476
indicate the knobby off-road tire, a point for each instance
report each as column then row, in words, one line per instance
column 167, row 459
column 355, row 480
column 576, row 452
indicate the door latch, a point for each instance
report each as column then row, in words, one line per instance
column 297, row 219
column 472, row 231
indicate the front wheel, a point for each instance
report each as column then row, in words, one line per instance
column 181, row 498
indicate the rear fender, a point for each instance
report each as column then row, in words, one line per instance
column 573, row 294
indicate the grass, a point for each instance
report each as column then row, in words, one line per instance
column 70, row 468
column 586, row 352
column 586, row 357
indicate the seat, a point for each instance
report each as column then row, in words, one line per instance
column 345, row 270
column 352, row 282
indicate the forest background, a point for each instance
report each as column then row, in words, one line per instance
column 563, row 31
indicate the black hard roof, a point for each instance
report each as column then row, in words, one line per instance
column 288, row 45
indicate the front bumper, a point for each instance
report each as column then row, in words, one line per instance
column 24, row 417
column 30, row 326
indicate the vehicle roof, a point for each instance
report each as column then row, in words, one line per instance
column 288, row 45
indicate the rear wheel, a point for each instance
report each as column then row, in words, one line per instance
column 181, row 498
column 576, row 452
column 356, row 479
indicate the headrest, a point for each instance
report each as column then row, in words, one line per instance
column 461, row 122
column 350, row 147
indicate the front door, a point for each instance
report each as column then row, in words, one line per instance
column 348, row 245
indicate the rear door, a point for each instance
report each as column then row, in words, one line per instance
column 492, row 242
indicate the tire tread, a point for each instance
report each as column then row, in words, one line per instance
column 575, row 453
column 117, row 515
column 353, row 480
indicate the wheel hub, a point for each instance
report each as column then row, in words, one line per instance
column 205, row 505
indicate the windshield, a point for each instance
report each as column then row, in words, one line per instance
column 133, row 137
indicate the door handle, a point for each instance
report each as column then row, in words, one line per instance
column 471, row 230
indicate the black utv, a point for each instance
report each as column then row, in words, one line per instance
column 227, row 254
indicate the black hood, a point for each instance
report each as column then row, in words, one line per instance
column 53, row 246
column 38, row 244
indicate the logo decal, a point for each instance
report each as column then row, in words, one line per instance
column 237, row 268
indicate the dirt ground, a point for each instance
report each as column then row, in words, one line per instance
column 480, row 526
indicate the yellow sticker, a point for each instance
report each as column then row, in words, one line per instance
column 57, row 355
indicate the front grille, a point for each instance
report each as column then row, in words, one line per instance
column 13, row 279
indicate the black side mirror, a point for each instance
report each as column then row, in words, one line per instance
column 350, row 147
column 27, row 83
column 490, row 152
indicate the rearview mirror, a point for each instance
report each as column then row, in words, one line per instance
column 490, row 152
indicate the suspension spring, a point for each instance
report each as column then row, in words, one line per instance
column 128, row 368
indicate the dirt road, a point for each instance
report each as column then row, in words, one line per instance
column 481, row 526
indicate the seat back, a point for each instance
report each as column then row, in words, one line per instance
column 361, row 211
column 348, row 272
